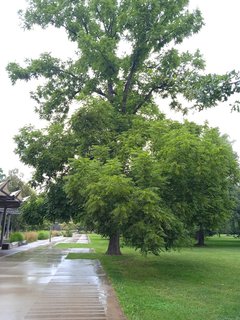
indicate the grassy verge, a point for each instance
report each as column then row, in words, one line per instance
column 191, row 284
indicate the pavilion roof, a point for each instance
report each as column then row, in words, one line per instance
column 7, row 199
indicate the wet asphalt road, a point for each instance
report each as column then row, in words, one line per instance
column 39, row 283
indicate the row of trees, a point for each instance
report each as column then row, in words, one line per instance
column 126, row 170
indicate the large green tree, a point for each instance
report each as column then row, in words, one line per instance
column 127, row 54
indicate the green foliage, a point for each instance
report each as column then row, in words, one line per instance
column 43, row 235
column 16, row 183
column 94, row 124
column 181, row 181
column 2, row 175
column 58, row 206
column 200, row 170
column 67, row 233
column 68, row 228
column 40, row 211
column 113, row 203
column 33, row 211
column 47, row 150
column 99, row 28
column 232, row 226
column 16, row 236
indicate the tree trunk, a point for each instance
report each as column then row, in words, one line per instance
column 200, row 237
column 114, row 245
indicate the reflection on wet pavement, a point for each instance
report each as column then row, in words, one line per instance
column 81, row 250
column 42, row 284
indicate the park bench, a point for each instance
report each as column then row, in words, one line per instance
column 9, row 245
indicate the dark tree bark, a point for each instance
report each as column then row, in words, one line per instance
column 200, row 237
column 114, row 245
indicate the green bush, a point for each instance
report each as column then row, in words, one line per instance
column 69, row 228
column 43, row 235
column 16, row 237
column 67, row 233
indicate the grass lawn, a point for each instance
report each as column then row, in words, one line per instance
column 191, row 284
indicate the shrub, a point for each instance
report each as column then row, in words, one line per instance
column 67, row 233
column 56, row 233
column 31, row 236
column 16, row 237
column 43, row 235
column 68, row 229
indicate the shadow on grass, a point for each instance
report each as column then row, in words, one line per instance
column 189, row 264
column 136, row 267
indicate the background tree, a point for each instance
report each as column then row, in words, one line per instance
column 232, row 226
column 201, row 171
column 51, row 206
column 16, row 183
column 2, row 175
column 58, row 207
column 33, row 212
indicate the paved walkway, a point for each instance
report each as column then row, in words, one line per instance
column 39, row 283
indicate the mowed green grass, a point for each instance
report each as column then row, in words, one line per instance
column 190, row 284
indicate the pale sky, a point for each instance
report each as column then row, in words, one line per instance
column 218, row 41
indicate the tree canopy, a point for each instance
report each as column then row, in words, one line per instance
column 132, row 173
column 127, row 51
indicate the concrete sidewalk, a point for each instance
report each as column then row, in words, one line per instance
column 39, row 283
column 34, row 245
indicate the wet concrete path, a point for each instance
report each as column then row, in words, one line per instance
column 41, row 284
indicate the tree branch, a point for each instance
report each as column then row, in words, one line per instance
column 85, row 26
column 101, row 19
column 147, row 97
column 100, row 92
column 70, row 31
column 110, row 91
column 128, row 85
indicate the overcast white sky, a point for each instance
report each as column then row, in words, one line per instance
column 218, row 41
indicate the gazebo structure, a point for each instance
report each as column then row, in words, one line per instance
column 9, row 203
